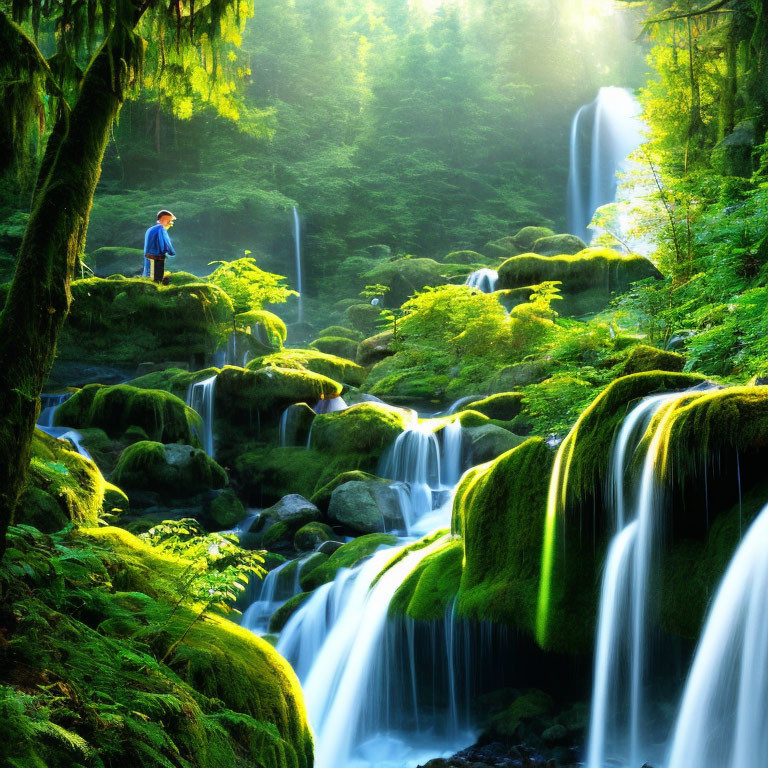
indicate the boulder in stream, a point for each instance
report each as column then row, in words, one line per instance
column 366, row 506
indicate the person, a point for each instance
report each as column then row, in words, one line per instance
column 157, row 246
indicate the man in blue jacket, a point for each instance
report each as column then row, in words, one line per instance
column 157, row 246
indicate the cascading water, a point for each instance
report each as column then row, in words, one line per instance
column 484, row 280
column 724, row 711
column 603, row 135
column 451, row 454
column 279, row 585
column 297, row 248
column 200, row 399
column 49, row 404
column 620, row 651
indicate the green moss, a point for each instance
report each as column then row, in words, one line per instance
column 431, row 587
column 554, row 245
column 336, row 345
column 173, row 380
column 115, row 501
column 339, row 331
column 363, row 317
column 280, row 617
column 472, row 418
column 386, row 380
column 502, row 248
column 322, row 497
column 503, row 406
column 225, row 511
column 366, row 428
column 311, row 535
column 406, row 276
column 464, row 257
column 642, row 357
column 277, row 534
column 61, row 486
column 114, row 322
column 174, row 471
column 332, row 366
column 162, row 416
column 531, row 706
column 346, row 557
column 268, row 331
column 375, row 348
column 116, row 261
column 527, row 236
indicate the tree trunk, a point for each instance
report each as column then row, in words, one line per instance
column 39, row 296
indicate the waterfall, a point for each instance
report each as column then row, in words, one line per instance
column 451, row 454
column 48, row 406
column 343, row 707
column 297, row 247
column 484, row 280
column 724, row 711
column 621, row 647
column 330, row 405
column 616, row 131
column 275, row 590
column 200, row 399
column 282, row 430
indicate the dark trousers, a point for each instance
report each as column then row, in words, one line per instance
column 154, row 268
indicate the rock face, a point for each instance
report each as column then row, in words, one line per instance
column 365, row 507
column 489, row 441
column 174, row 471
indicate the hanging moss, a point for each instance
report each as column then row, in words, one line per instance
column 162, row 416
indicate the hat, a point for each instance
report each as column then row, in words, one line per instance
column 165, row 213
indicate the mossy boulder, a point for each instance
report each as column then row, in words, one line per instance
column 280, row 617
column 589, row 277
column 174, row 471
column 427, row 592
column 406, row 276
column 375, row 348
column 61, row 487
column 347, row 556
column 310, row 536
column 330, row 365
column 224, row 511
column 363, row 317
column 488, row 441
column 503, row 406
column 322, row 497
column 268, row 331
column 642, row 358
column 293, row 509
column 114, row 322
column 365, row 428
column 177, row 381
column 336, row 345
column 527, row 236
column 554, row 245
column 163, row 417
column 370, row 506
column 339, row 331
column 116, row 261
column 502, row 248
column 464, row 257
column 387, row 380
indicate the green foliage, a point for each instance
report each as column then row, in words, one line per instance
column 248, row 287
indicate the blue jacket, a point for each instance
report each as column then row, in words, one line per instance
column 157, row 242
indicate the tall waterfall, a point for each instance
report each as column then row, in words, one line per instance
column 297, row 249
column 484, row 280
column 618, row 717
column 603, row 134
column 200, row 399
column 724, row 711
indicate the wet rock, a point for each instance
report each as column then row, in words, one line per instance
column 329, row 547
column 492, row 755
column 311, row 536
column 365, row 507
column 489, row 441
column 292, row 509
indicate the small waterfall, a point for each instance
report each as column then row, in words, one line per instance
column 621, row 649
column 330, row 405
column 451, row 454
column 343, row 707
column 200, row 399
column 297, row 247
column 276, row 588
column 48, row 406
column 616, row 131
column 724, row 711
column 455, row 406
column 72, row 436
column 484, row 280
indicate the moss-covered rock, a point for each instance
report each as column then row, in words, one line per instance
column 375, row 348
column 224, row 511
column 268, row 331
column 280, row 617
column 346, row 557
column 177, row 381
column 114, row 322
column 370, row 506
column 336, row 345
column 527, row 236
column 116, row 261
column 431, row 587
column 363, row 317
column 162, row 416
column 488, row 441
column 589, row 277
column 502, row 248
column 174, row 471
column 366, row 428
column 464, row 257
column 61, row 486
column 322, row 497
column 555, row 245
column 339, row 331
column 503, row 406
column 406, row 276
column 310, row 536
column 334, row 367
column 641, row 358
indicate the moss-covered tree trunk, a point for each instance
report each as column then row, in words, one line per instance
column 39, row 296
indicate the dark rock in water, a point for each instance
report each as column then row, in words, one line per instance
column 310, row 536
column 489, row 441
column 292, row 508
column 329, row 547
column 493, row 755
column 366, row 506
